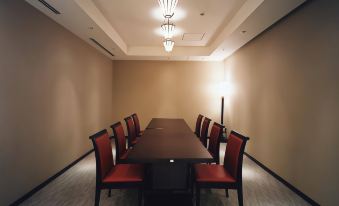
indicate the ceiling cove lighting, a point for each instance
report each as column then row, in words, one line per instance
column 167, row 7
column 168, row 44
column 168, row 29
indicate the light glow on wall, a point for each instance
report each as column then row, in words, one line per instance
column 225, row 88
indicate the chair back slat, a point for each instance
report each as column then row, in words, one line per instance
column 120, row 139
column 214, row 143
column 130, row 130
column 234, row 154
column 204, row 131
column 198, row 125
column 136, row 123
column 103, row 153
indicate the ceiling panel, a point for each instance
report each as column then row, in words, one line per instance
column 130, row 29
column 138, row 22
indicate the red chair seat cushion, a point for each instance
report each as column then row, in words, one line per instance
column 141, row 133
column 124, row 156
column 212, row 173
column 125, row 173
column 211, row 153
column 134, row 142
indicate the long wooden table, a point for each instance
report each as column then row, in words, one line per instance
column 169, row 147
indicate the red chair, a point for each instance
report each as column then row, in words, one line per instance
column 120, row 142
column 132, row 137
column 198, row 125
column 204, row 131
column 138, row 132
column 227, row 176
column 110, row 176
column 214, row 143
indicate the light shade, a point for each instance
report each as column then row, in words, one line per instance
column 167, row 7
column 168, row 29
column 225, row 88
column 168, row 44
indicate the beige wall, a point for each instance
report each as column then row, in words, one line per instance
column 55, row 90
column 286, row 99
column 166, row 89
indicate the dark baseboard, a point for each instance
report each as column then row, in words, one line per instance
column 49, row 180
column 287, row 184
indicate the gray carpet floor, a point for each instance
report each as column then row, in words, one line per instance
column 76, row 187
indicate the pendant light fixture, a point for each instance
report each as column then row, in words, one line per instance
column 168, row 29
column 168, row 44
column 167, row 7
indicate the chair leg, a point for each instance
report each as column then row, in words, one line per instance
column 140, row 197
column 109, row 192
column 97, row 196
column 197, row 196
column 192, row 190
column 240, row 197
column 226, row 192
column 191, row 178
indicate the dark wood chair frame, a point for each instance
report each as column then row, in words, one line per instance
column 129, row 138
column 203, row 138
column 198, row 125
column 117, row 149
column 134, row 117
column 237, row 185
column 216, row 156
column 100, row 185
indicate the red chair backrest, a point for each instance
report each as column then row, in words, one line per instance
column 234, row 154
column 198, row 125
column 120, row 139
column 103, row 153
column 204, row 131
column 214, row 143
column 136, row 123
column 130, row 129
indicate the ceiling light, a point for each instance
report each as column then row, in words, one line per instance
column 168, row 29
column 168, row 44
column 167, row 7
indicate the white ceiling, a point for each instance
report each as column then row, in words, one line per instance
column 130, row 29
column 130, row 17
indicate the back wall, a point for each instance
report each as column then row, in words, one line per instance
column 166, row 89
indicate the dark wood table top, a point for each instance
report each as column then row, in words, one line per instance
column 166, row 140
